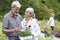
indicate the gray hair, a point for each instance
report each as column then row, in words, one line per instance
column 31, row 10
column 16, row 3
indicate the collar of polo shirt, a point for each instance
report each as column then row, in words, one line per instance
column 12, row 14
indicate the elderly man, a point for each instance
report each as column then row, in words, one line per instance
column 11, row 22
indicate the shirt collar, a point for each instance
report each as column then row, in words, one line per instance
column 30, row 18
column 12, row 14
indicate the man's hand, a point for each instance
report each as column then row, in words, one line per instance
column 8, row 31
column 17, row 29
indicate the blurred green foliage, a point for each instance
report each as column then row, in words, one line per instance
column 43, row 9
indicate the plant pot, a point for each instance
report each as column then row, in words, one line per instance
column 26, row 38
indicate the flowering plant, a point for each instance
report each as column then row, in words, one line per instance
column 26, row 31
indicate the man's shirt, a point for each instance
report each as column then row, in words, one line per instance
column 9, row 22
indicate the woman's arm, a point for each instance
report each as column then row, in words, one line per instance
column 37, row 29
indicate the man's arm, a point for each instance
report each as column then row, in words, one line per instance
column 5, row 27
column 7, row 31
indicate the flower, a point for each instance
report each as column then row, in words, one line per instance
column 29, row 26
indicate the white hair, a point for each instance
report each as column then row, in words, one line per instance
column 16, row 3
column 31, row 10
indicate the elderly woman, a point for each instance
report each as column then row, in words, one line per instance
column 29, row 22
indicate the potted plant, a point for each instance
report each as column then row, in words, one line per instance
column 26, row 35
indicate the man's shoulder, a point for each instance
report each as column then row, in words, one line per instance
column 19, row 15
column 7, row 15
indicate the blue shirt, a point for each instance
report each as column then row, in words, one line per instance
column 9, row 22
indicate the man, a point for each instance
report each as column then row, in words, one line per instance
column 11, row 22
column 51, row 22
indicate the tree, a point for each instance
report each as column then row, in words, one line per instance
column 43, row 8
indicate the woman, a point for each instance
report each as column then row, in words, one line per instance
column 29, row 22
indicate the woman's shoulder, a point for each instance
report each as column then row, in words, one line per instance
column 34, row 20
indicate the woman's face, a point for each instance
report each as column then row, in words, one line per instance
column 27, row 14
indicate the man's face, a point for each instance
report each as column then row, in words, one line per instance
column 27, row 14
column 15, row 10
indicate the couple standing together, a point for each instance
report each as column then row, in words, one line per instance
column 13, row 22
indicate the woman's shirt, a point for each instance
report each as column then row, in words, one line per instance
column 34, row 27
